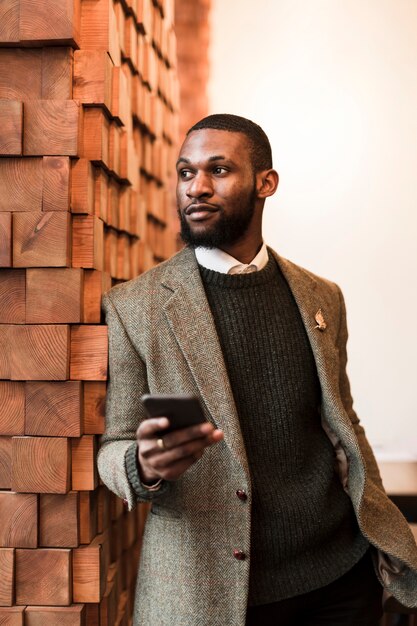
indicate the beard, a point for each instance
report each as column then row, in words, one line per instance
column 228, row 229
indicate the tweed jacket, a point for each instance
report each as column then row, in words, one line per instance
column 163, row 340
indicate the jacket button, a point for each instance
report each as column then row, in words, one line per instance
column 239, row 555
column 241, row 494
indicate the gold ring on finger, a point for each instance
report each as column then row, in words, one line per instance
column 160, row 444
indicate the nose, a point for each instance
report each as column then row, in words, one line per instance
column 200, row 186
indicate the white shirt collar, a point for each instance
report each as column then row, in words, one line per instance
column 219, row 261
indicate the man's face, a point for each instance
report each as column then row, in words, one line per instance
column 216, row 190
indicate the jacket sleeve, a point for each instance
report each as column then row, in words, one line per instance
column 344, row 386
column 127, row 383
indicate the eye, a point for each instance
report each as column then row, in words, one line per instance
column 219, row 169
column 185, row 174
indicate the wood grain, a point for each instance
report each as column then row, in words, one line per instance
column 12, row 616
column 41, row 239
column 54, row 409
column 94, row 407
column 54, row 295
column 45, row 21
column 39, row 352
column 58, row 520
column 5, row 239
column 9, row 21
column 52, row 127
column 18, row 520
column 12, row 296
column 82, row 187
column 56, row 73
column 11, row 124
column 89, row 353
column 90, row 566
column 120, row 106
column 7, row 569
column 5, row 462
column 12, row 408
column 84, row 467
column 40, row 465
column 87, row 242
column 21, row 183
column 56, row 184
column 93, row 77
column 74, row 615
column 43, row 577
column 20, row 72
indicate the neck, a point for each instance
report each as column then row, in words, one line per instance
column 244, row 251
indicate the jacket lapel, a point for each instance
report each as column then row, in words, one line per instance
column 190, row 319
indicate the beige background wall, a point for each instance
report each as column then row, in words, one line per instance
column 334, row 85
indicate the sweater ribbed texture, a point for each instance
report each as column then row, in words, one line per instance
column 304, row 531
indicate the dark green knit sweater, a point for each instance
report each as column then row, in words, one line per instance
column 304, row 532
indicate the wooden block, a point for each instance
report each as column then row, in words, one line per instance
column 58, row 520
column 93, row 77
column 9, row 25
column 40, row 465
column 113, row 190
column 90, row 566
column 82, row 187
column 39, row 352
column 110, row 251
column 88, row 515
column 84, row 472
column 7, row 569
column 52, row 127
column 21, row 182
column 92, row 614
column 95, row 284
column 103, row 509
column 114, row 148
column 94, row 408
column 89, row 352
column 20, row 72
column 116, row 546
column 96, row 136
column 101, row 183
column 12, row 408
column 5, row 462
column 48, row 21
column 5, row 239
column 11, row 124
column 99, row 28
column 108, row 605
column 56, row 184
column 54, row 409
column 13, row 615
column 56, row 74
column 18, row 520
column 12, row 297
column 54, row 295
column 123, row 248
column 41, row 239
column 43, row 577
column 120, row 106
column 73, row 615
column 87, row 242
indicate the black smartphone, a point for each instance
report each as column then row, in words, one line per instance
column 182, row 410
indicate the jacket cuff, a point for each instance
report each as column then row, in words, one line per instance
column 144, row 492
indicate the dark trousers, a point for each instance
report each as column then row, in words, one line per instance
column 355, row 599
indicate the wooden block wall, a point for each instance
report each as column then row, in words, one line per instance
column 88, row 140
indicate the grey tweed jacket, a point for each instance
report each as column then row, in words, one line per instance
column 163, row 340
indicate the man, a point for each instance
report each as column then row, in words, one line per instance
column 273, row 512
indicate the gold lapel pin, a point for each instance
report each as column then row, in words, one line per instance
column 321, row 324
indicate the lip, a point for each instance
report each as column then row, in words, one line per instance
column 200, row 212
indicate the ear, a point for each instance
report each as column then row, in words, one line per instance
column 266, row 183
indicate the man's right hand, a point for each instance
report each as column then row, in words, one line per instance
column 180, row 450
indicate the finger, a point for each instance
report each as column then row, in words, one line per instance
column 150, row 427
column 162, row 459
column 190, row 433
column 176, row 469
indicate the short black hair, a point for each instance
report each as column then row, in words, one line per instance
column 260, row 148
